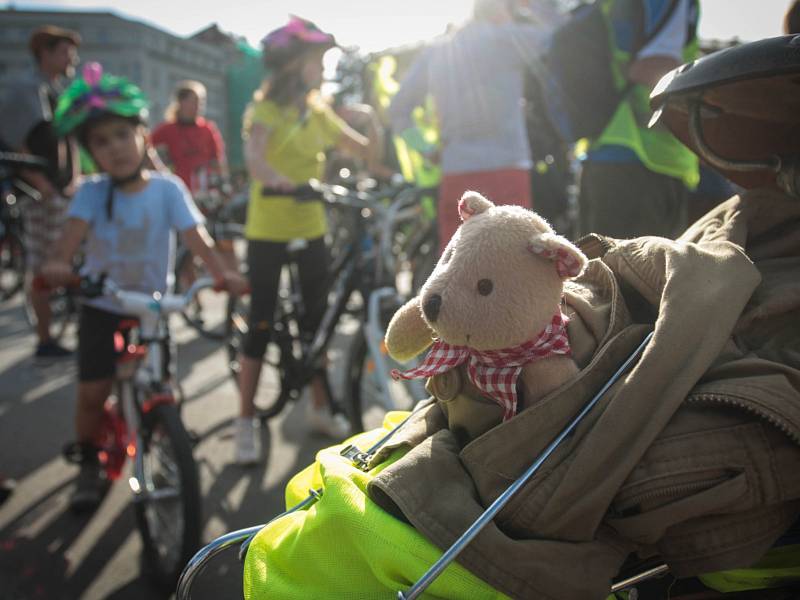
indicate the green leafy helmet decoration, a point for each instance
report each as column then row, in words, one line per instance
column 96, row 94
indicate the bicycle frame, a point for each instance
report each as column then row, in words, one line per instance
column 145, row 388
column 298, row 372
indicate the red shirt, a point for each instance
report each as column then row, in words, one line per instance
column 191, row 147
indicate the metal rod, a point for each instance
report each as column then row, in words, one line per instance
column 440, row 565
column 205, row 554
column 643, row 576
column 245, row 536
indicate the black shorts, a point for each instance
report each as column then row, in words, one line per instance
column 96, row 353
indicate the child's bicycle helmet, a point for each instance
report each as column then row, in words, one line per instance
column 286, row 43
column 96, row 95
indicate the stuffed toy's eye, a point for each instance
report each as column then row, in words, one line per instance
column 485, row 287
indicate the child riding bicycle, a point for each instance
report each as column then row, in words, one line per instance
column 127, row 215
column 287, row 128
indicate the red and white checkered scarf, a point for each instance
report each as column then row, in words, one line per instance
column 495, row 372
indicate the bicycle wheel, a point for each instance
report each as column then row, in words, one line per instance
column 423, row 256
column 269, row 398
column 206, row 312
column 12, row 265
column 367, row 402
column 168, row 509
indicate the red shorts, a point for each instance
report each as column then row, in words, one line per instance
column 505, row 186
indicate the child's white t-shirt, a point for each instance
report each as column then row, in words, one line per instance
column 136, row 248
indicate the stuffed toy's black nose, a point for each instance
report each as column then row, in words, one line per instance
column 431, row 307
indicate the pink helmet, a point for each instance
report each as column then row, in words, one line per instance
column 291, row 40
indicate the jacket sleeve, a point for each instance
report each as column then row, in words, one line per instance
column 413, row 90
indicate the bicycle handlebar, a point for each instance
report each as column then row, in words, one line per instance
column 316, row 190
column 141, row 304
column 136, row 303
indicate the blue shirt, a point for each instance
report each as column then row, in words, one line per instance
column 136, row 248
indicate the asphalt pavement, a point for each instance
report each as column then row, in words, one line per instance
column 46, row 552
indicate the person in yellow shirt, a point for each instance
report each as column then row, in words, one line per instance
column 287, row 128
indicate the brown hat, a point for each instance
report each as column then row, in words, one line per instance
column 47, row 35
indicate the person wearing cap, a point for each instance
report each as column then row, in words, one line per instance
column 26, row 106
column 286, row 129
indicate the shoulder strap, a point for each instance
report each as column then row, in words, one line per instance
column 660, row 24
column 646, row 39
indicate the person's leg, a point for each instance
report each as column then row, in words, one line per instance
column 312, row 264
column 40, row 300
column 264, row 260
column 312, row 267
column 626, row 200
column 43, row 222
column 96, row 365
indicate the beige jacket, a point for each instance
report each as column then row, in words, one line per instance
column 694, row 455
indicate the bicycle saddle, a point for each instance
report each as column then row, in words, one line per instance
column 739, row 109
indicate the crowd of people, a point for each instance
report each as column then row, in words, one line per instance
column 635, row 180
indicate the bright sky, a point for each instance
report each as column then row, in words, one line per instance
column 378, row 24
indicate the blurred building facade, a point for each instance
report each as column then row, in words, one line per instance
column 154, row 59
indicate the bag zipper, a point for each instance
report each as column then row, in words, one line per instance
column 635, row 501
column 751, row 407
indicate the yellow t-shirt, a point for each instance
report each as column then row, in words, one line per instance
column 296, row 150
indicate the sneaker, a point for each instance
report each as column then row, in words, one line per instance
column 333, row 425
column 247, row 440
column 51, row 349
column 90, row 488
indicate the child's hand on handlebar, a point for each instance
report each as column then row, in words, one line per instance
column 233, row 282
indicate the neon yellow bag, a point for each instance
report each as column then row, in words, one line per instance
column 345, row 546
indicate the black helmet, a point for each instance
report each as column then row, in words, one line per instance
column 739, row 109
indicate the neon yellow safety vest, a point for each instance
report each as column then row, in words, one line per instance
column 657, row 148
column 412, row 163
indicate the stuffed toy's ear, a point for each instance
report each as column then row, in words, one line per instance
column 408, row 335
column 472, row 203
column 570, row 261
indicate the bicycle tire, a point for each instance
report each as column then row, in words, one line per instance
column 270, row 398
column 164, row 550
column 363, row 406
column 423, row 256
column 198, row 315
column 12, row 265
